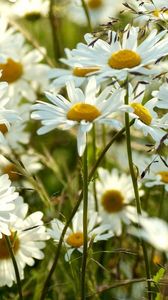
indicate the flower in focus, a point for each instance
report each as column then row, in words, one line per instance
column 27, row 235
column 114, row 194
column 83, row 110
column 74, row 237
column 146, row 119
column 120, row 57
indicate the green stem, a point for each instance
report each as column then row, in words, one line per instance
column 85, row 219
column 90, row 176
column 55, row 27
column 85, row 8
column 9, row 245
column 94, row 160
column 136, row 192
column 104, row 141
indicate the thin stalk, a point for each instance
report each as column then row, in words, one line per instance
column 55, row 27
column 94, row 160
column 86, row 11
column 136, row 192
column 90, row 176
column 85, row 219
column 19, row 286
column 104, row 141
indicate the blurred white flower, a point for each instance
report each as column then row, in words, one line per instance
column 99, row 10
column 25, row 74
column 7, row 116
column 161, row 96
column 154, row 231
column 114, row 194
column 29, row 9
column 74, row 237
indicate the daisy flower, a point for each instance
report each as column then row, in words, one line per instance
column 161, row 96
column 74, row 239
column 29, row 159
column 146, row 119
column 17, row 135
column 114, row 194
column 76, row 72
column 82, row 109
column 150, row 10
column 7, row 116
column 25, row 74
column 120, row 57
column 154, row 231
column 7, row 197
column 9, row 40
column 29, row 9
column 157, row 174
column 99, row 11
column 27, row 236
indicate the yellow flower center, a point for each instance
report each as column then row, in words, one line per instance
column 83, row 111
column 164, row 176
column 124, row 59
column 94, row 4
column 156, row 13
column 142, row 112
column 11, row 170
column 112, row 201
column 4, row 252
column 11, row 71
column 75, row 239
column 3, row 128
column 82, row 72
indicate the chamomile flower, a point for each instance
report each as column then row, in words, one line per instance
column 29, row 159
column 146, row 119
column 30, row 9
column 114, row 194
column 25, row 74
column 99, row 10
column 9, row 40
column 154, row 231
column 76, row 72
column 74, row 239
column 27, row 235
column 150, row 10
column 157, row 173
column 82, row 109
column 7, row 116
column 161, row 96
column 17, row 135
column 120, row 57
column 7, row 204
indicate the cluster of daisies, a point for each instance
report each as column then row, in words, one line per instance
column 123, row 73
column 105, row 79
